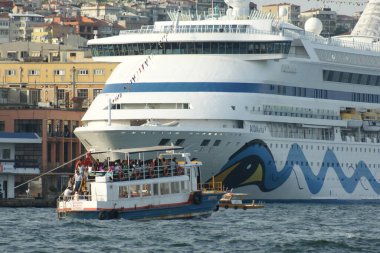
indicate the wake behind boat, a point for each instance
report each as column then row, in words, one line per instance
column 165, row 188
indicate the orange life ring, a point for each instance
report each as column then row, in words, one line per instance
column 152, row 173
column 180, row 170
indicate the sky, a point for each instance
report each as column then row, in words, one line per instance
column 343, row 7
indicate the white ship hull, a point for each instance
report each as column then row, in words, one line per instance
column 266, row 124
column 296, row 185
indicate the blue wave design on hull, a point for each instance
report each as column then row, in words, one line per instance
column 257, row 152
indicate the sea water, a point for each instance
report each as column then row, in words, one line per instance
column 276, row 228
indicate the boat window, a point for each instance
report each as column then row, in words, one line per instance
column 183, row 186
column 174, row 187
column 147, row 190
column 155, row 189
column 123, row 192
column 164, row 188
column 134, row 190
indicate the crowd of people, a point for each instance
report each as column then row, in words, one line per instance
column 87, row 168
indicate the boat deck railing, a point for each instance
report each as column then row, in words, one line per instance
column 211, row 187
column 77, row 197
column 142, row 172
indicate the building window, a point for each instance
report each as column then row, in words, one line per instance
column 34, row 72
column 98, row 72
column 59, row 72
column 60, row 94
column 6, row 154
column 83, row 93
column 29, row 126
column 83, row 72
column 10, row 72
column 96, row 92
column 2, row 126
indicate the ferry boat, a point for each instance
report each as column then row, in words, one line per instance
column 272, row 110
column 140, row 191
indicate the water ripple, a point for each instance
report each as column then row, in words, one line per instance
column 276, row 228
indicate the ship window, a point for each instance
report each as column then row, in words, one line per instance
column 217, row 142
column 163, row 142
column 164, row 188
column 179, row 142
column 205, row 142
column 174, row 187
column 363, row 80
column 355, row 78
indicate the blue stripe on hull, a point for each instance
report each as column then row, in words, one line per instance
column 260, row 88
column 204, row 209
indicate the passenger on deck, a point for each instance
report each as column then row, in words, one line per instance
column 81, row 168
column 118, row 170
column 111, row 168
column 173, row 164
column 95, row 165
column 67, row 193
column 71, row 182
column 101, row 167
column 78, row 180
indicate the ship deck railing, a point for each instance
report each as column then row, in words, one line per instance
column 245, row 29
column 198, row 29
column 363, row 46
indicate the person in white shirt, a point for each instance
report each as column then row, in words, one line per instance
column 78, row 181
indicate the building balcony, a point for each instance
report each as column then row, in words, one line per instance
column 19, row 167
column 65, row 134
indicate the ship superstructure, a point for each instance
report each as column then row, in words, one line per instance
column 272, row 110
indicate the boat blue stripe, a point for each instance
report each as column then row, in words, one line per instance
column 241, row 88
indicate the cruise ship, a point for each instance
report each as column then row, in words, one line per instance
column 272, row 110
